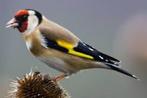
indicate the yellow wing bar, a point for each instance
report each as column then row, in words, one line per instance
column 71, row 50
column 80, row 54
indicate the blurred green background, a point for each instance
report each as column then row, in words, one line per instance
column 116, row 27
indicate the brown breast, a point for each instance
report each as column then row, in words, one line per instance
column 34, row 41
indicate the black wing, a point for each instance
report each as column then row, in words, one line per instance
column 97, row 55
column 84, row 49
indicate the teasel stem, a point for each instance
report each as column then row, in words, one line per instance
column 36, row 85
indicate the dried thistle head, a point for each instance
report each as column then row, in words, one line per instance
column 36, row 85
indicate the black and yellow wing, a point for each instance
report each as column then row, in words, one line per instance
column 97, row 55
column 82, row 50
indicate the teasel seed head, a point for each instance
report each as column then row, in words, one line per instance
column 36, row 85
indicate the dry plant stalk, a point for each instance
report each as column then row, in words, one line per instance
column 36, row 85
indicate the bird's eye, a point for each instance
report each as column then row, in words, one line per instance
column 25, row 17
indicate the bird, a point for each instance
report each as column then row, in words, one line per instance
column 58, row 47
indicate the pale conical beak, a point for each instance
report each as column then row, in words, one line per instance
column 12, row 23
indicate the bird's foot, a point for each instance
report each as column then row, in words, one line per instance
column 59, row 77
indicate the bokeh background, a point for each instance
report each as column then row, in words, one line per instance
column 116, row 27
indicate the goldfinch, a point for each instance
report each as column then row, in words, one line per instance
column 58, row 47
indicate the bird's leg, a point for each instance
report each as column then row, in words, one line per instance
column 59, row 77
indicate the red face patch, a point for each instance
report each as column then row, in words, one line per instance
column 23, row 26
column 21, row 13
column 21, row 17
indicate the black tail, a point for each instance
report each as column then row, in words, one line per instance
column 116, row 68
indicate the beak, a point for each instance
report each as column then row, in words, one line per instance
column 12, row 23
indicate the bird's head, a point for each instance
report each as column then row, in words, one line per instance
column 25, row 20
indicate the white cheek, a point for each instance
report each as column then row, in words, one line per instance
column 32, row 24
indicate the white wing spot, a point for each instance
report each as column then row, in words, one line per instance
column 91, row 49
column 115, row 63
column 106, row 60
column 84, row 44
column 101, row 57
